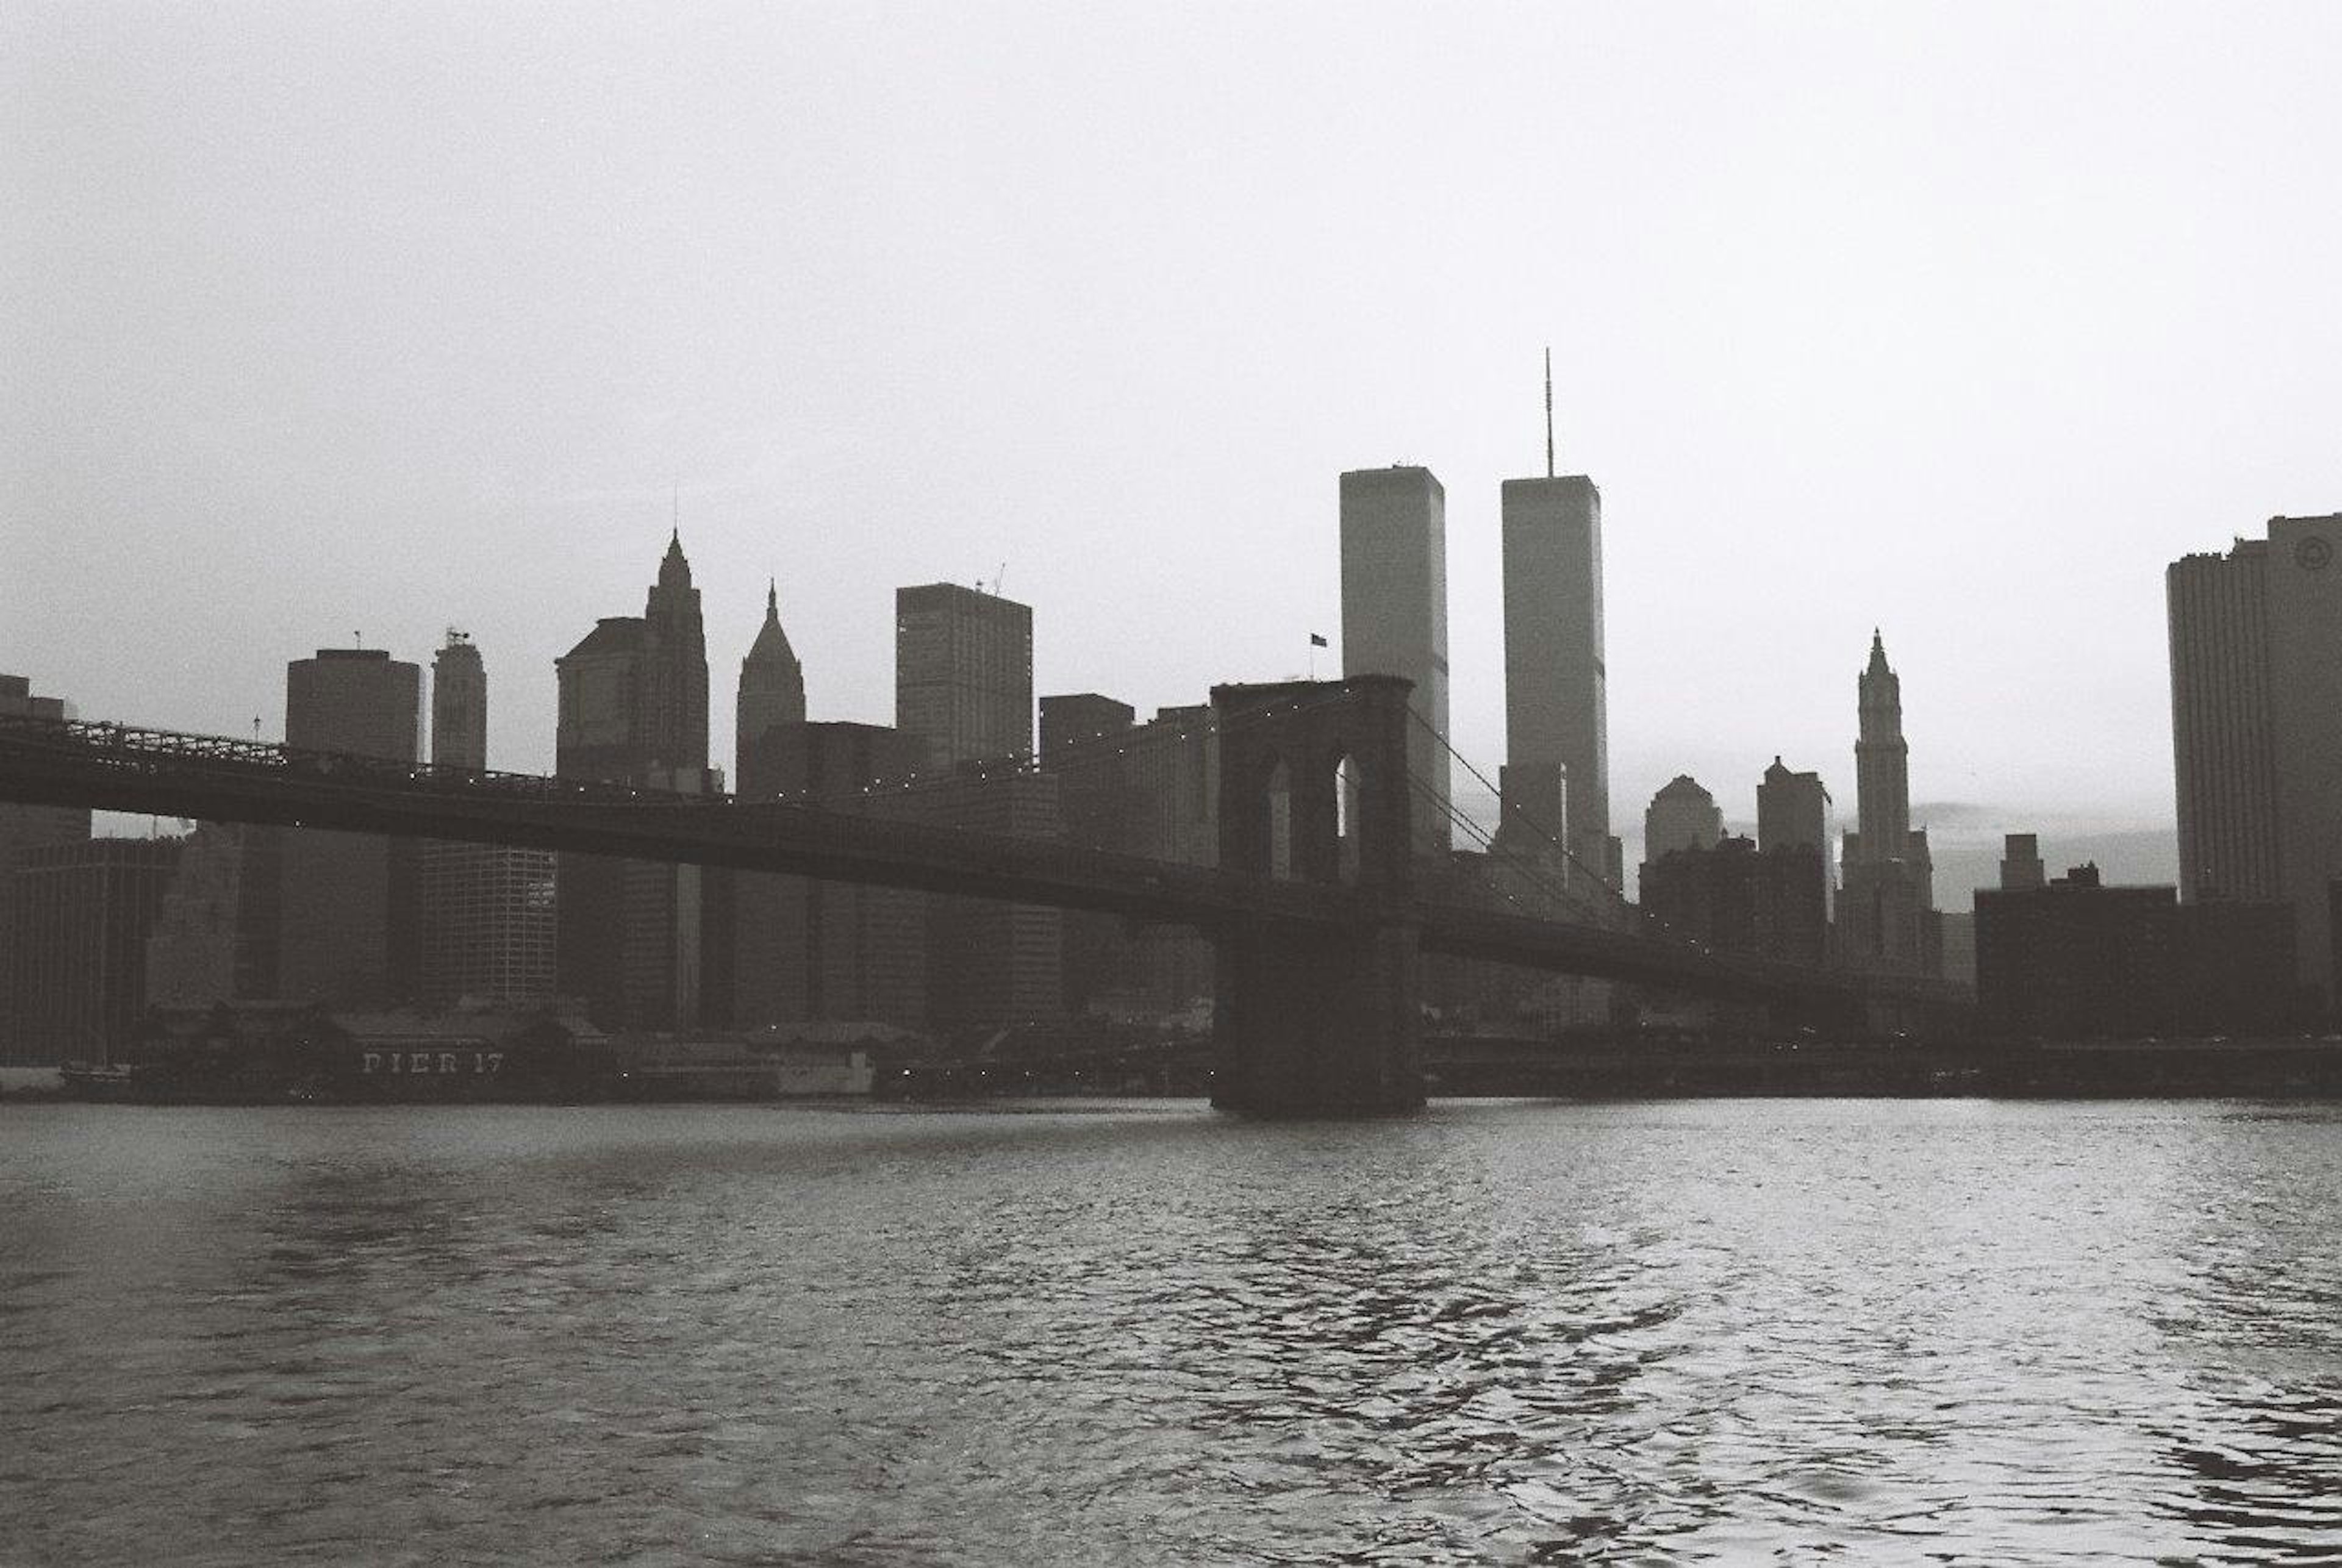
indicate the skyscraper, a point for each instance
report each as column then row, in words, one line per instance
column 964, row 682
column 1793, row 812
column 1557, row 772
column 2257, row 726
column 487, row 910
column 81, row 914
column 1887, row 916
column 1395, row 617
column 25, row 828
column 771, row 686
column 634, row 710
column 964, row 672
column 348, row 923
column 459, row 703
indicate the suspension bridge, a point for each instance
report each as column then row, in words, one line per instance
column 1314, row 900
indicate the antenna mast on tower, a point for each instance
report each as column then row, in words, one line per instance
column 1548, row 411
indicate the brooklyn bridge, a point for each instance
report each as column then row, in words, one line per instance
column 1315, row 909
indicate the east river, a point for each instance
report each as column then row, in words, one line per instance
column 1724, row 1330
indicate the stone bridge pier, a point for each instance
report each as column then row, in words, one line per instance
column 1314, row 1017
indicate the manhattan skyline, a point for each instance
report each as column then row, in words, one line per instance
column 1968, row 351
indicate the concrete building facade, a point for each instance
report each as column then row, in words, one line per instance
column 1556, row 770
column 1682, row 815
column 1794, row 812
column 23, row 828
column 633, row 709
column 964, row 672
column 349, row 924
column 1394, row 524
column 2256, row 727
column 81, row 916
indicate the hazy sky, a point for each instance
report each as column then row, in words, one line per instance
column 1959, row 320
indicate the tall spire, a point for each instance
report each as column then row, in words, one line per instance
column 1548, row 411
column 772, row 601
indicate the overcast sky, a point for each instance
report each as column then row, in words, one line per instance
column 1961, row 321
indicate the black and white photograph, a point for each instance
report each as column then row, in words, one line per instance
column 869, row 783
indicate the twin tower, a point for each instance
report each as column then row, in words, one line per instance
column 1556, row 780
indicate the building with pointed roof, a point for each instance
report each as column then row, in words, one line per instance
column 634, row 710
column 772, row 687
column 1887, row 909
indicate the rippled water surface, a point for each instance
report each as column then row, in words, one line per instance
column 1759, row 1331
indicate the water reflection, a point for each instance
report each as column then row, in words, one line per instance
column 1877, row 1331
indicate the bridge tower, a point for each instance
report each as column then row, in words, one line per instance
column 1317, row 1013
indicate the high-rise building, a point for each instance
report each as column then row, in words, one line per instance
column 1556, row 780
column 2257, row 726
column 1728, row 894
column 803, row 948
column 2020, row 863
column 964, row 672
column 1887, row 909
column 964, row 682
column 459, row 704
column 1682, row 815
column 771, row 686
column 215, row 937
column 81, row 917
column 23, row 828
column 487, row 910
column 634, row 710
column 1793, row 812
column 348, row 918
column 1394, row 618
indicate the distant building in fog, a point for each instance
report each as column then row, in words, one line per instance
column 1395, row 617
column 459, row 704
column 1887, row 901
column 348, row 929
column 215, row 936
column 634, row 710
column 1682, row 815
column 80, row 916
column 2020, row 863
column 963, row 673
column 2257, row 726
column 23, row 828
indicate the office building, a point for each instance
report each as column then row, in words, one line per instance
column 771, row 686
column 1146, row 790
column 1556, row 781
column 215, row 937
column 1886, row 905
column 1394, row 618
column 633, row 709
column 964, row 672
column 1794, row 812
column 348, row 919
column 1682, row 815
column 2020, row 863
column 80, row 917
column 1728, row 894
column 963, row 684
column 487, row 910
column 2074, row 958
column 2257, row 726
column 23, row 828
column 806, row 949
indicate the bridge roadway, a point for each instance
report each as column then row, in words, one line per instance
column 112, row 767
